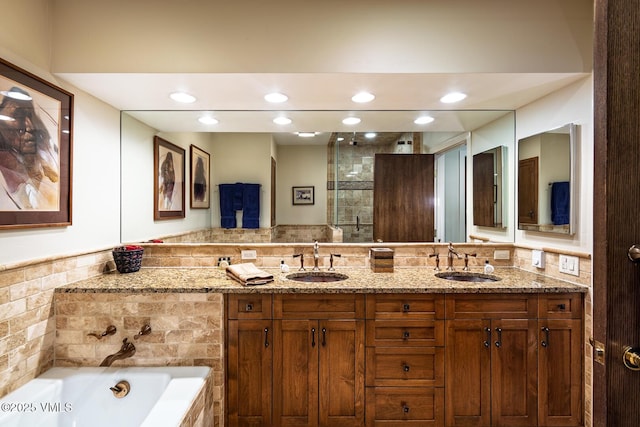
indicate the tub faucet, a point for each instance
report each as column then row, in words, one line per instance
column 451, row 253
column 316, row 257
column 127, row 350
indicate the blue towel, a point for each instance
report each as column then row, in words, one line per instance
column 228, row 204
column 251, row 206
column 560, row 197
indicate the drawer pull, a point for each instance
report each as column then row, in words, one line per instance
column 406, row 335
column 324, row 337
column 248, row 307
column 266, row 337
column 313, row 337
column 499, row 342
column 562, row 307
column 406, row 307
column 406, row 367
column 405, row 409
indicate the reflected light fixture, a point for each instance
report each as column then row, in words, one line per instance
column 208, row 120
column 363, row 97
column 276, row 97
column 16, row 93
column 370, row 135
column 307, row 134
column 182, row 97
column 6, row 118
column 423, row 120
column 453, row 97
column 351, row 121
column 282, row 120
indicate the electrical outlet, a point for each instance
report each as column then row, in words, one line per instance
column 569, row 265
column 224, row 258
column 249, row 254
column 501, row 254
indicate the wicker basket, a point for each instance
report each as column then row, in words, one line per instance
column 128, row 258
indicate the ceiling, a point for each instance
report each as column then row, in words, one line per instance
column 318, row 102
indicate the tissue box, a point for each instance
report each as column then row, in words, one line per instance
column 381, row 260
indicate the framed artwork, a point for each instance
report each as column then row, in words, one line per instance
column 303, row 195
column 200, row 181
column 168, row 180
column 36, row 126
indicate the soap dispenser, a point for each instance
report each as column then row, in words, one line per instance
column 488, row 268
column 284, row 267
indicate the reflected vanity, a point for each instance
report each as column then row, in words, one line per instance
column 546, row 181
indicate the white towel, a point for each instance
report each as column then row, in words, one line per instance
column 248, row 274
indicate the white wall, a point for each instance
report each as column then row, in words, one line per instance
column 301, row 166
column 572, row 104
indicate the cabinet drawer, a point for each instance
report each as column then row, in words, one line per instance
column 249, row 306
column 405, row 406
column 503, row 306
column 318, row 306
column 560, row 306
column 409, row 367
column 405, row 306
column 405, row 333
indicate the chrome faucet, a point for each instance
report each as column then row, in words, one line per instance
column 127, row 350
column 316, row 257
column 451, row 253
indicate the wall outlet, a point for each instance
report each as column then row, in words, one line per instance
column 502, row 254
column 224, row 258
column 569, row 265
column 249, row 254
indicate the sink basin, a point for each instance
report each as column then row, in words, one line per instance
column 317, row 276
column 467, row 276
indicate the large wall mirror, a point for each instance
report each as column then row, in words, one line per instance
column 489, row 186
column 342, row 177
column 546, row 181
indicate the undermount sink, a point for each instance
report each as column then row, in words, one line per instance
column 317, row 276
column 467, row 276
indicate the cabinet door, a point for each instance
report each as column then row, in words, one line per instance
column 295, row 373
column 560, row 372
column 341, row 353
column 249, row 364
column 514, row 373
column 468, row 373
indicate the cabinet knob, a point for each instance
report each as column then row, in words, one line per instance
column 406, row 335
column 248, row 307
column 405, row 409
column 406, row 307
column 406, row 367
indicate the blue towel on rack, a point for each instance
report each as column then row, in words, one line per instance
column 251, row 206
column 230, row 202
column 560, row 198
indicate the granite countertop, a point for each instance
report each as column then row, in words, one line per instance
column 361, row 280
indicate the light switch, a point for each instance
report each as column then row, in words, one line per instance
column 537, row 258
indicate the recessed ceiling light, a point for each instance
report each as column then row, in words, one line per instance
column 282, row 120
column 363, row 97
column 423, row 120
column 370, row 135
column 453, row 97
column 276, row 97
column 183, row 97
column 340, row 139
column 208, row 120
column 351, row 121
column 307, row 134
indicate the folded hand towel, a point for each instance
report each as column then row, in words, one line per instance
column 248, row 274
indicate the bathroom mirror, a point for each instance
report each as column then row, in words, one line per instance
column 546, row 181
column 489, row 185
column 342, row 180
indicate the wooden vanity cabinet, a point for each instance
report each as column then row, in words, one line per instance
column 319, row 360
column 249, row 360
column 560, row 360
column 405, row 360
column 514, row 360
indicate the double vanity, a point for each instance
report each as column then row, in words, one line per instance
column 382, row 349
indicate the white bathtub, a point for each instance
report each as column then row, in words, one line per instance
column 79, row 397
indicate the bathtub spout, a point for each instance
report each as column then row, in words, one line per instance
column 127, row 350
